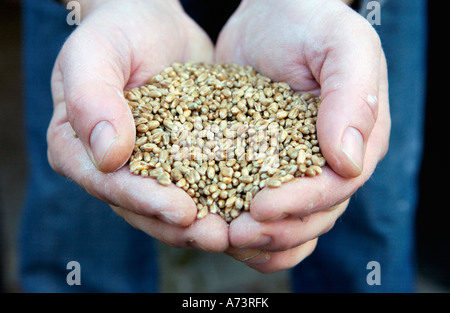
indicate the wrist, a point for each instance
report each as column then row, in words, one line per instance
column 347, row 2
column 88, row 6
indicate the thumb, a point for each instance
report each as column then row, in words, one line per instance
column 349, row 109
column 96, row 107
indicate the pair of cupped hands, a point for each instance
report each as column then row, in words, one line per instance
column 319, row 46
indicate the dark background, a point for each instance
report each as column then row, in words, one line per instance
column 433, row 231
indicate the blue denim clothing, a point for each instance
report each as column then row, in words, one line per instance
column 378, row 225
column 61, row 222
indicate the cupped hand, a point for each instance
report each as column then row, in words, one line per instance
column 324, row 47
column 119, row 45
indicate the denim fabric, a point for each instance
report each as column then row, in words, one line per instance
column 61, row 222
column 379, row 222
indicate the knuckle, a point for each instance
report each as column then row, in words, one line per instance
column 52, row 156
column 369, row 105
column 76, row 107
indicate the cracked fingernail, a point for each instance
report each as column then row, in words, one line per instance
column 251, row 256
column 173, row 218
column 260, row 241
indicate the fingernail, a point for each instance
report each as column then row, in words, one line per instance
column 352, row 145
column 253, row 257
column 259, row 242
column 171, row 217
column 102, row 136
column 278, row 217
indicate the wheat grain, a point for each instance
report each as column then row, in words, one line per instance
column 222, row 132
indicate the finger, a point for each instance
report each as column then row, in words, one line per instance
column 286, row 259
column 201, row 48
column 143, row 196
column 271, row 262
column 209, row 233
column 93, row 77
column 249, row 256
column 304, row 196
column 282, row 234
column 349, row 79
column 308, row 195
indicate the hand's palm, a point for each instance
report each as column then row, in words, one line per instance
column 116, row 49
column 324, row 48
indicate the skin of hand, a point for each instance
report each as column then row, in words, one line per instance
column 119, row 45
column 324, row 47
column 109, row 53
